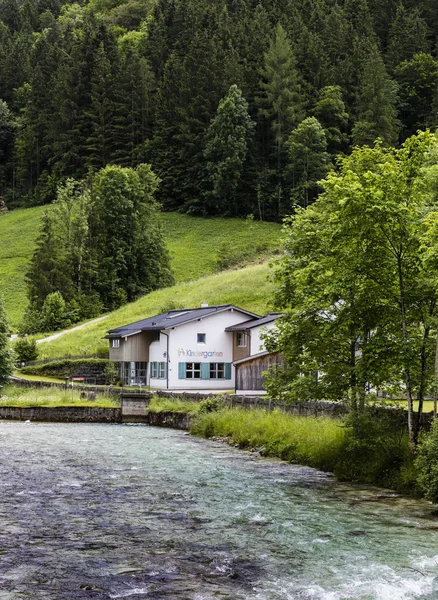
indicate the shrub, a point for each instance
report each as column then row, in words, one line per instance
column 26, row 350
column 426, row 463
column 377, row 450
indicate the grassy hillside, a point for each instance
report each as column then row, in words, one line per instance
column 18, row 232
column 248, row 288
column 198, row 247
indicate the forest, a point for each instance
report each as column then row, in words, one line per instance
column 239, row 106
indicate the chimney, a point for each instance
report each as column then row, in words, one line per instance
column 204, row 305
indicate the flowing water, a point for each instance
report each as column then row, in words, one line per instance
column 119, row 511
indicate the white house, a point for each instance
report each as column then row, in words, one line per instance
column 190, row 348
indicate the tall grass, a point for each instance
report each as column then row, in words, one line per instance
column 174, row 405
column 17, row 396
column 314, row 441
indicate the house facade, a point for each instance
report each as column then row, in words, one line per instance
column 190, row 349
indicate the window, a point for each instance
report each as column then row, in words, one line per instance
column 193, row 370
column 155, row 336
column 201, row 338
column 204, row 370
column 115, row 343
column 241, row 339
column 217, row 370
column 158, row 370
column 162, row 370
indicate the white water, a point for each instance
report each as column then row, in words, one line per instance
column 118, row 511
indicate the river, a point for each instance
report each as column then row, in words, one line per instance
column 127, row 511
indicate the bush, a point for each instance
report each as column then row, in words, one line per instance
column 377, row 450
column 26, row 350
column 426, row 463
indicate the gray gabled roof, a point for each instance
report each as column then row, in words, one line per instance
column 255, row 322
column 173, row 318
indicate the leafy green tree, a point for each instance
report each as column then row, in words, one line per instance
column 376, row 104
column 359, row 292
column 228, row 139
column 54, row 313
column 309, row 160
column 6, row 355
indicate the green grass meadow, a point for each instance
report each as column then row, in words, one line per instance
column 198, row 248
column 19, row 230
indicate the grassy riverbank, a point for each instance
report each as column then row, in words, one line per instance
column 12, row 395
column 316, row 442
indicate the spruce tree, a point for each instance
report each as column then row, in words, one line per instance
column 418, row 81
column 309, row 160
column 331, row 113
column 228, row 139
column 280, row 103
column 408, row 35
column 375, row 104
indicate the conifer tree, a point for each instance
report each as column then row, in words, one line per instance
column 309, row 160
column 408, row 35
column 376, row 104
column 418, row 81
column 280, row 97
column 331, row 113
column 228, row 138
column 280, row 101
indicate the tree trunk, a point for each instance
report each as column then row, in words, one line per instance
column 422, row 383
column 411, row 424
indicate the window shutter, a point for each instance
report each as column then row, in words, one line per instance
column 165, row 370
column 205, row 370
column 150, row 369
column 182, row 370
column 227, row 371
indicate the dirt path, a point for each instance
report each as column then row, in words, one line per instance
column 55, row 336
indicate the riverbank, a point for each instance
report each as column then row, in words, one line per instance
column 374, row 451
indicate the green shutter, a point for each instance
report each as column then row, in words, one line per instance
column 150, row 369
column 227, row 371
column 205, row 370
column 182, row 370
column 165, row 370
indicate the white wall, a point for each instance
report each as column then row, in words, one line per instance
column 257, row 345
column 183, row 347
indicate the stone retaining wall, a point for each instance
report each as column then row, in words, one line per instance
column 62, row 414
